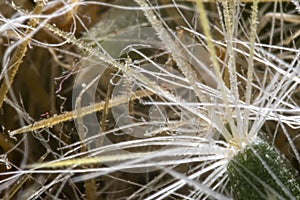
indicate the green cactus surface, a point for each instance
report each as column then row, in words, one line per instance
column 259, row 172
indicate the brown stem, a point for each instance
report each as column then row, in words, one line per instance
column 19, row 54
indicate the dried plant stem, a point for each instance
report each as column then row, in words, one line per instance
column 183, row 64
column 90, row 188
column 88, row 160
column 171, row 46
column 211, row 49
column 250, row 62
column 21, row 181
column 291, row 38
column 205, row 24
column 19, row 54
column 74, row 114
column 230, row 25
